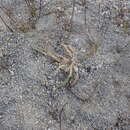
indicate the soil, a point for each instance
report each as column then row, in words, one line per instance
column 32, row 96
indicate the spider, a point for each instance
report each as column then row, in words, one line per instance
column 66, row 63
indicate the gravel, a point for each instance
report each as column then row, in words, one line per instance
column 30, row 99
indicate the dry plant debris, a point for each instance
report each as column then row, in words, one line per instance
column 66, row 63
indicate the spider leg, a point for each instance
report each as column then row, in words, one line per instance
column 56, row 57
column 68, row 49
column 76, row 78
column 72, row 50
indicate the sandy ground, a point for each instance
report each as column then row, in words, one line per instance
column 33, row 91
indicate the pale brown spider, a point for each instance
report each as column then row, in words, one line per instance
column 68, row 64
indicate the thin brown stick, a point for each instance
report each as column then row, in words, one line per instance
column 60, row 115
column 40, row 8
column 85, row 11
column 71, row 20
column 72, row 16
